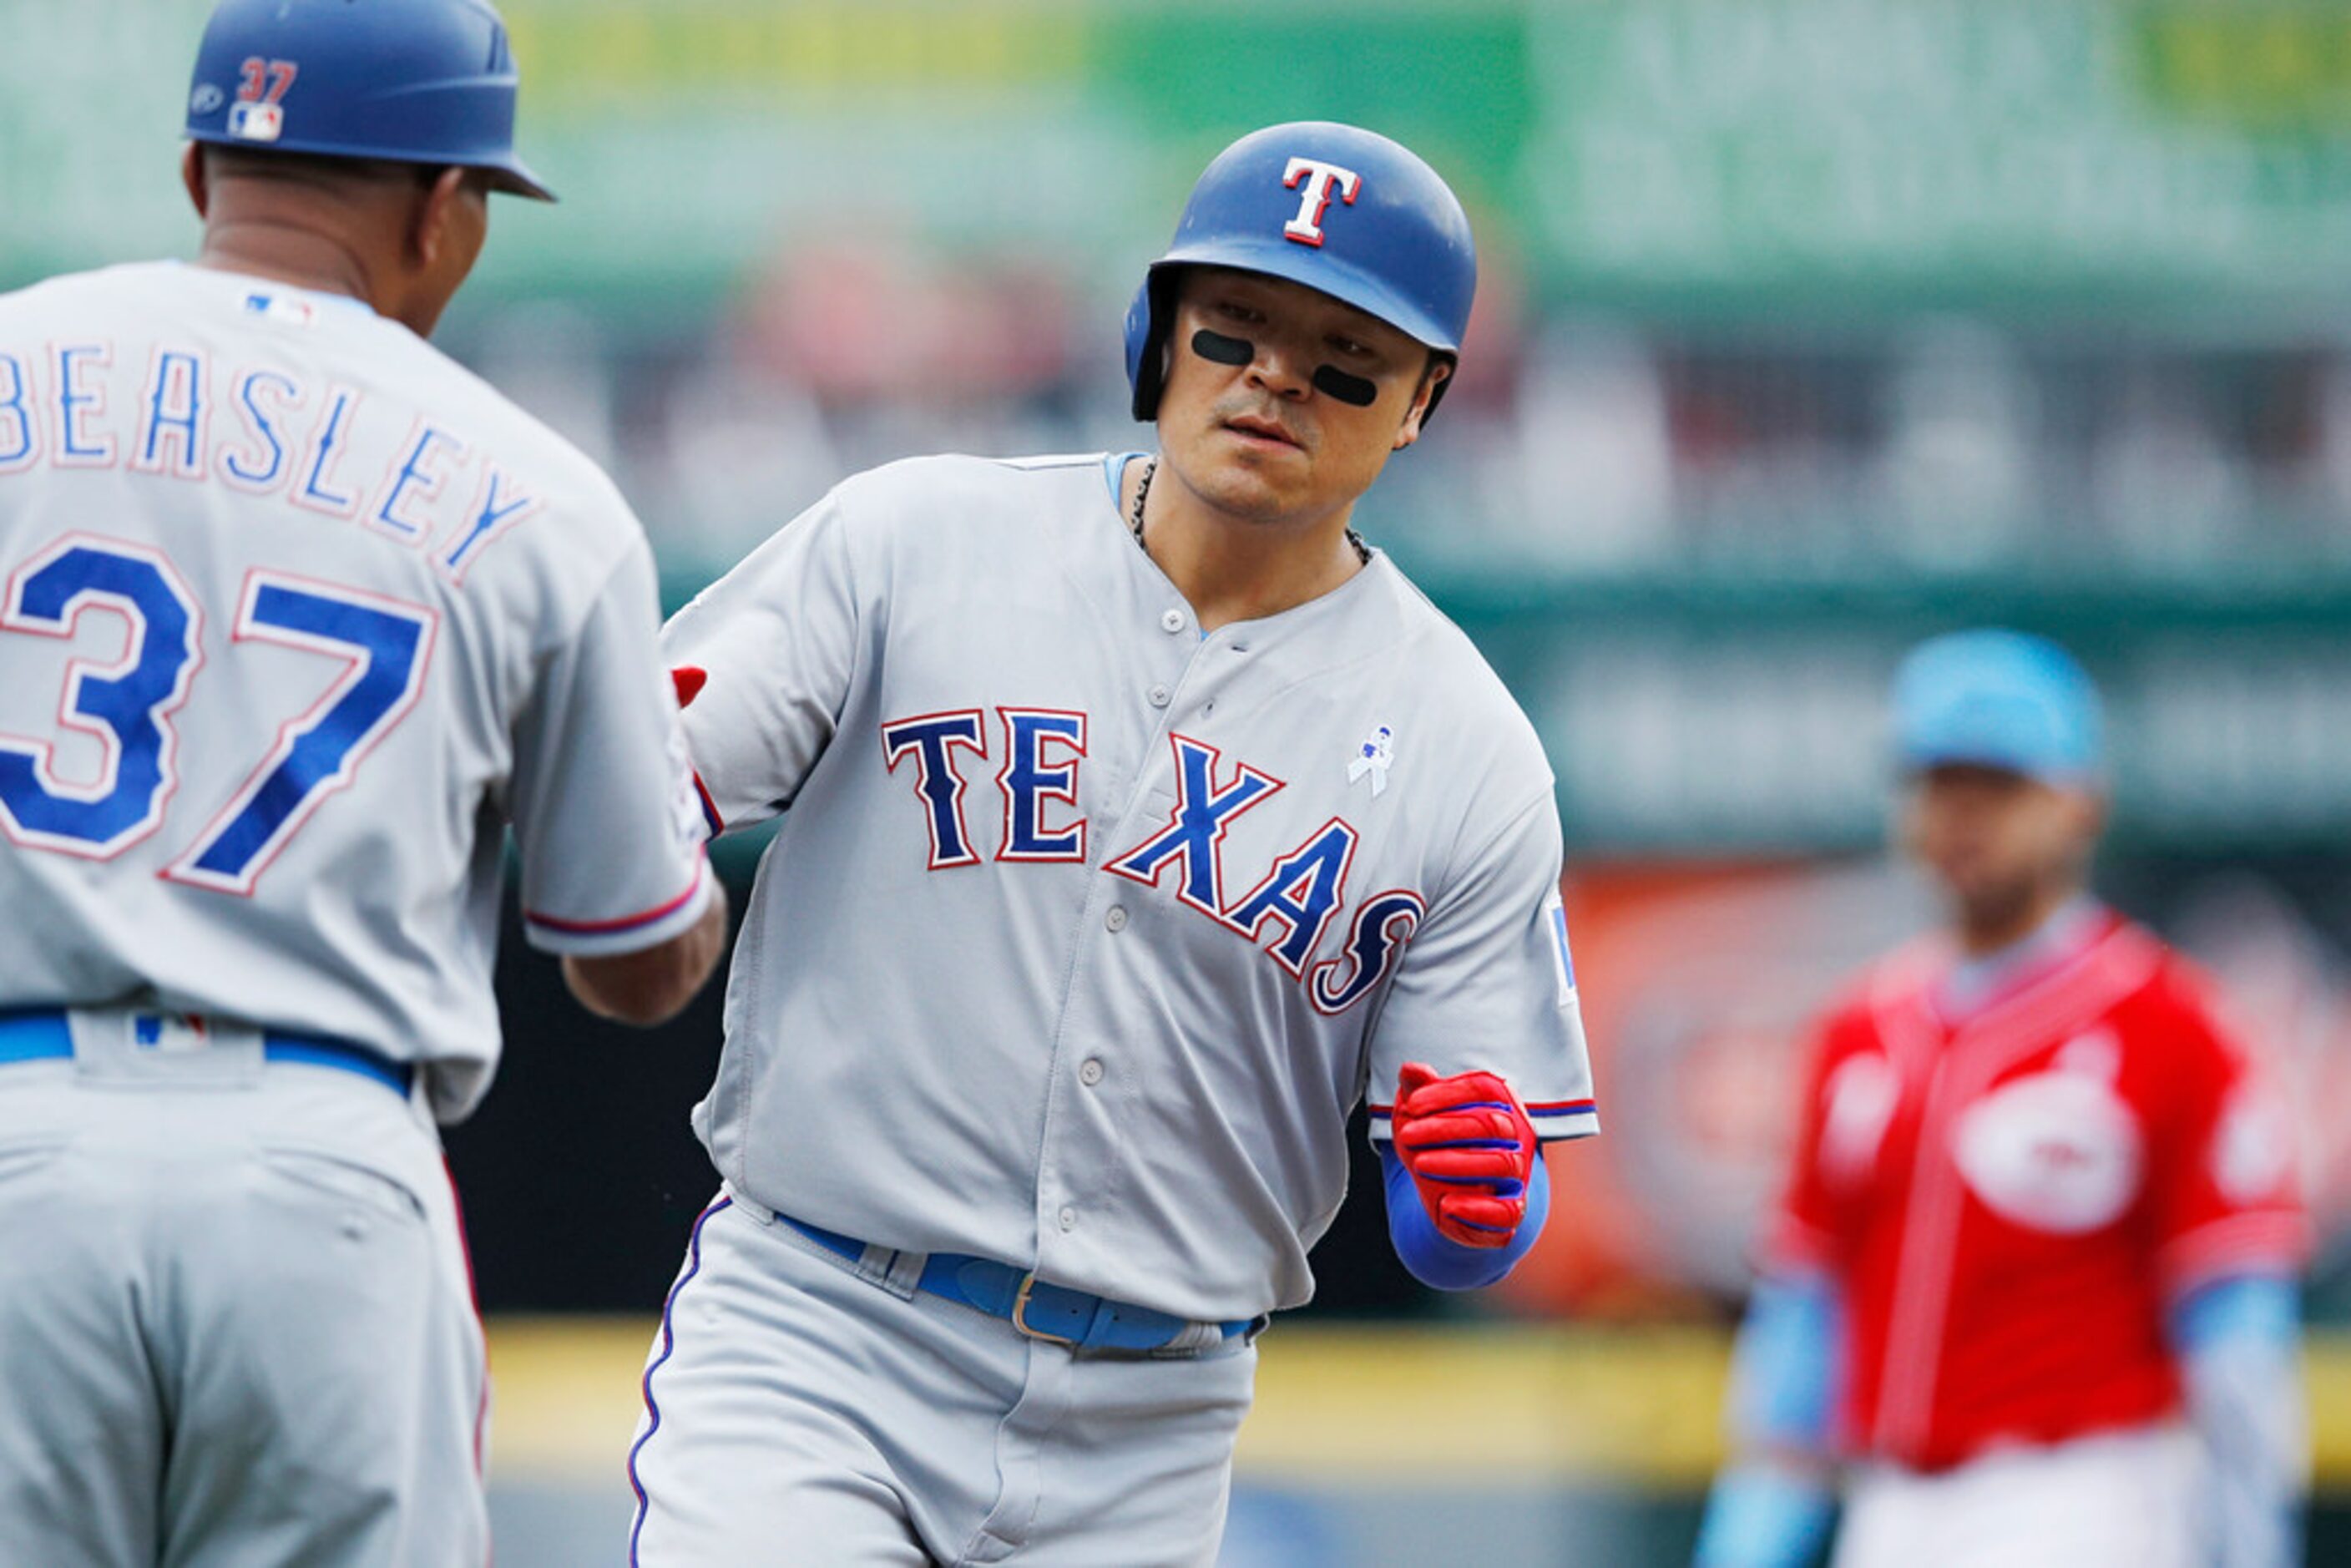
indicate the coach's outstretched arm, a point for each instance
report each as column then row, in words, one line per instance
column 638, row 919
column 652, row 985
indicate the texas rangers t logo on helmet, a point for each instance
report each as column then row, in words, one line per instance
column 1318, row 178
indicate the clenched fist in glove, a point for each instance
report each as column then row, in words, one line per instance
column 1470, row 1150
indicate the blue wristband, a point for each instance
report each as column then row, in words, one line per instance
column 1783, row 1381
column 1760, row 1517
column 1435, row 1260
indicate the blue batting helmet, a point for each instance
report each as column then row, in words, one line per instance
column 1337, row 208
column 1998, row 699
column 411, row 81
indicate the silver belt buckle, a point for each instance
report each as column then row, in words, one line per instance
column 1020, row 1313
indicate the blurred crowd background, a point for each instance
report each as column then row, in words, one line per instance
column 1807, row 328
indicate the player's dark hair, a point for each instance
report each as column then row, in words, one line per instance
column 311, row 168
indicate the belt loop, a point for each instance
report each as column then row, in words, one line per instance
column 878, row 1266
column 1192, row 1339
column 904, row 1275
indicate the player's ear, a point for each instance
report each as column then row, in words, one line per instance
column 432, row 218
column 192, row 175
column 1430, row 379
column 2089, row 812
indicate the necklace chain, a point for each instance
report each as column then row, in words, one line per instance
column 1143, row 493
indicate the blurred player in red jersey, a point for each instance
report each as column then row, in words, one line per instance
column 2032, row 1280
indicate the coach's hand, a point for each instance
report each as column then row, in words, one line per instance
column 1470, row 1149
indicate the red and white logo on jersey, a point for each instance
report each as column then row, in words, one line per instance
column 2058, row 1152
column 281, row 308
column 1315, row 181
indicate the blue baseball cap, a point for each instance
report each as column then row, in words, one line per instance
column 1998, row 699
column 411, row 81
column 1338, row 208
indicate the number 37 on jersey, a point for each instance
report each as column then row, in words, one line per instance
column 130, row 705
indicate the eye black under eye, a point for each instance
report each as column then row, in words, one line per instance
column 1353, row 389
column 1356, row 391
column 1218, row 349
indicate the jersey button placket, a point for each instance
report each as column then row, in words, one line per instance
column 1115, row 921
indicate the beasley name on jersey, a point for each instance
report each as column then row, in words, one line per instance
column 248, row 417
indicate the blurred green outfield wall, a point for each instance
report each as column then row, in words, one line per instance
column 1659, row 154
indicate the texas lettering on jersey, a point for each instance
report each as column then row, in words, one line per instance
column 258, row 429
column 1296, row 900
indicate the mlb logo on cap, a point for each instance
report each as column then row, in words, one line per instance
column 257, row 121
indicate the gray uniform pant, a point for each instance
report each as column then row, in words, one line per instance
column 800, row 1414
column 236, row 1325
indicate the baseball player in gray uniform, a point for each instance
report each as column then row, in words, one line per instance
column 297, row 614
column 1139, row 821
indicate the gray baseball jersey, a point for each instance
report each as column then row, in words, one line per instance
column 1083, row 932
column 296, row 611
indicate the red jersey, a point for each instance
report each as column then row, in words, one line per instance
column 2010, row 1200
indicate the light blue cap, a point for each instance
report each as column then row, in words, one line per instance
column 1998, row 699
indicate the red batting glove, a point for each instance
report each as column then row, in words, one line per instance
column 1470, row 1149
column 689, row 680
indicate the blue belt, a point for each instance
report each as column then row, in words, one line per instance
column 40, row 1034
column 1052, row 1313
